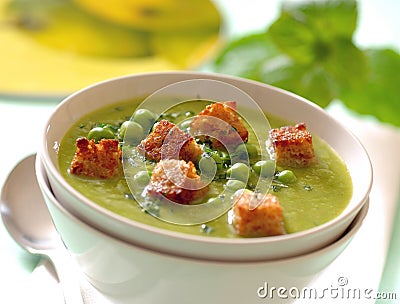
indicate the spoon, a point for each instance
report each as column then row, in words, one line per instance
column 27, row 219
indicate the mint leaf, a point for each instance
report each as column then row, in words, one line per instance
column 318, row 35
column 328, row 19
column 294, row 38
column 243, row 57
column 256, row 57
column 309, row 50
column 307, row 30
column 345, row 63
column 309, row 81
column 379, row 95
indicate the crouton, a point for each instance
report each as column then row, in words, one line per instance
column 227, row 130
column 167, row 141
column 101, row 160
column 293, row 146
column 265, row 220
column 176, row 180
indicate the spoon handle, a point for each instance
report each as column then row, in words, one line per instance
column 67, row 275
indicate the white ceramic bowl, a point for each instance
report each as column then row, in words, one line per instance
column 127, row 273
column 273, row 100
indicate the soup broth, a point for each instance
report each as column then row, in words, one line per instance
column 320, row 193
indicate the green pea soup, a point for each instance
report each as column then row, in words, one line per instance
column 319, row 193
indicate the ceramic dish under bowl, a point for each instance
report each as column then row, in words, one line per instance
column 273, row 100
column 127, row 273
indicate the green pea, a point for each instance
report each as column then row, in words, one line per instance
column 123, row 128
column 264, row 168
column 234, row 185
column 131, row 132
column 252, row 150
column 245, row 151
column 286, row 177
column 240, row 150
column 110, row 127
column 141, row 178
column 145, row 118
column 207, row 166
column 99, row 133
column 239, row 171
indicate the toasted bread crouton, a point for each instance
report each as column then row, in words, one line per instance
column 293, row 146
column 228, row 129
column 176, row 180
column 265, row 220
column 167, row 141
column 101, row 160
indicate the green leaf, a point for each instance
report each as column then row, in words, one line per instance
column 329, row 19
column 306, row 30
column 310, row 81
column 346, row 64
column 294, row 38
column 309, row 50
column 380, row 93
column 242, row 57
column 256, row 57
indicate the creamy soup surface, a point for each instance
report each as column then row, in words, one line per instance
column 319, row 193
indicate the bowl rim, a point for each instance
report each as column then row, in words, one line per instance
column 44, row 154
column 347, row 235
